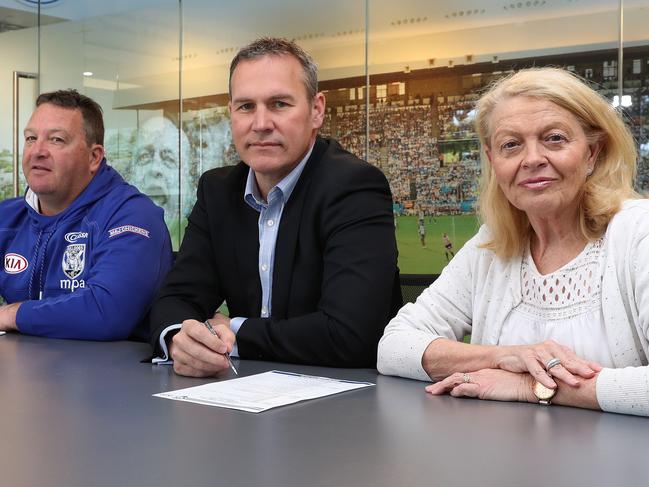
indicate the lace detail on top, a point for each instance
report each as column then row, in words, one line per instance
column 571, row 291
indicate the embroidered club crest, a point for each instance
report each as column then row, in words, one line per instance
column 74, row 260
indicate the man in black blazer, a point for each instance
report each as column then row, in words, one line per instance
column 298, row 239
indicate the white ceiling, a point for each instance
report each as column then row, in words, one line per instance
column 296, row 16
column 133, row 39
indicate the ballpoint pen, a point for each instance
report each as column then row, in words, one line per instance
column 227, row 355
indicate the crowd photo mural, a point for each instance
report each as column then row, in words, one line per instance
column 417, row 127
column 165, row 161
column 421, row 135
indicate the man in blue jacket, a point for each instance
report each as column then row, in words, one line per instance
column 84, row 252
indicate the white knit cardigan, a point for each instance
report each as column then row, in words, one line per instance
column 477, row 290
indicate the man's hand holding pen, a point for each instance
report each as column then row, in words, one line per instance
column 208, row 325
column 199, row 350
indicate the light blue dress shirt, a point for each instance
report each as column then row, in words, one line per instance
column 270, row 215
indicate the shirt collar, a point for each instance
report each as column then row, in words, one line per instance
column 32, row 200
column 284, row 187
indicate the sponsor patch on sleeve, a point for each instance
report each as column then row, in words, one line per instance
column 114, row 232
column 15, row 263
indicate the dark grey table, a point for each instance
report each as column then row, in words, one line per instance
column 82, row 414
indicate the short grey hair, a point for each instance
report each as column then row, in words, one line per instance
column 275, row 46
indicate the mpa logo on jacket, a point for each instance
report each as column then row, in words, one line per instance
column 15, row 263
column 74, row 260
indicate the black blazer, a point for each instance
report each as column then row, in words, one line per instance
column 335, row 277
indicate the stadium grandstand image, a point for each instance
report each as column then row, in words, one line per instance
column 424, row 141
column 412, row 114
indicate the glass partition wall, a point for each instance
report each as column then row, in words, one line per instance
column 401, row 80
column 429, row 62
column 333, row 32
column 126, row 56
column 18, row 80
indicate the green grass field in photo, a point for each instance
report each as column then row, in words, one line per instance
column 415, row 259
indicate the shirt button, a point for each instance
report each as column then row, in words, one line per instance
column 270, row 223
column 264, row 267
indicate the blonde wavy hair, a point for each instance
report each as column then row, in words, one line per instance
column 603, row 192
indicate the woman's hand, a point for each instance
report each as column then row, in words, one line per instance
column 443, row 357
column 491, row 384
column 534, row 359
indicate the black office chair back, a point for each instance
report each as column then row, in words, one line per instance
column 412, row 285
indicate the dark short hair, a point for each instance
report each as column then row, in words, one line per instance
column 91, row 112
column 275, row 46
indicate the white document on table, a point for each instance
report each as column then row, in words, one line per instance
column 260, row 392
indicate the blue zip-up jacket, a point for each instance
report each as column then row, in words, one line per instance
column 90, row 272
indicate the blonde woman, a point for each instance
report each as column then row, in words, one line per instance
column 554, row 288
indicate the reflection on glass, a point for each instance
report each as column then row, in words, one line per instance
column 211, row 146
column 428, row 61
column 205, row 143
column 6, row 174
column 156, row 162
column 635, row 99
column 125, row 56
column 333, row 32
column 428, row 64
column 18, row 52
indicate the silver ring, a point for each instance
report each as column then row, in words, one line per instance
column 466, row 378
column 553, row 362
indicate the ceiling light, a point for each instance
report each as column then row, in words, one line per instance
column 88, row 74
column 626, row 101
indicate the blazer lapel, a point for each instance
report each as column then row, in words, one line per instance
column 244, row 223
column 289, row 229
